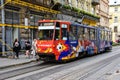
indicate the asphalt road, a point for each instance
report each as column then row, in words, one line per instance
column 104, row 66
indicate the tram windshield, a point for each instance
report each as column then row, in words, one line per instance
column 47, row 33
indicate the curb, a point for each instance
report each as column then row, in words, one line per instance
column 7, row 66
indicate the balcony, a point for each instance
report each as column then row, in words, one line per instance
column 45, row 3
column 95, row 2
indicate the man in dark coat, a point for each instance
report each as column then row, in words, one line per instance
column 16, row 47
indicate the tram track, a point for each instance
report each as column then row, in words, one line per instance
column 81, row 73
column 19, row 71
column 96, row 68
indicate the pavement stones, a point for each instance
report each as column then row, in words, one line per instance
column 8, row 62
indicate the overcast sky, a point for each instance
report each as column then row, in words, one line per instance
column 112, row 1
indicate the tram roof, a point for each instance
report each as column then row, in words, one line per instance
column 82, row 25
column 106, row 29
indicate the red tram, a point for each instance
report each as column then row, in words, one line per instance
column 62, row 40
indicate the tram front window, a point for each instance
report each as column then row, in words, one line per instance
column 45, row 34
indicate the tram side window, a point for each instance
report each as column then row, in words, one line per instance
column 95, row 34
column 92, row 34
column 108, row 36
column 73, row 33
column 111, row 36
column 102, row 35
column 105, row 35
column 72, row 36
column 80, row 33
column 73, row 29
column 87, row 33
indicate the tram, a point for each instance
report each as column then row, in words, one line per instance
column 63, row 40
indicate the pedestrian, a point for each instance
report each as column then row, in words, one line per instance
column 16, row 47
column 33, row 48
column 27, row 48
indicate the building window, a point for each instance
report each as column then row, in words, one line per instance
column 76, row 3
column 116, row 9
column 82, row 4
column 63, row 2
column 70, row 2
column 115, row 19
column 115, row 28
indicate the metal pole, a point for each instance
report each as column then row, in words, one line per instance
column 28, row 34
column 34, row 28
column 3, row 28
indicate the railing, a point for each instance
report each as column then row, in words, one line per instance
column 18, row 26
column 33, row 6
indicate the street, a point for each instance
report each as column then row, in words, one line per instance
column 104, row 66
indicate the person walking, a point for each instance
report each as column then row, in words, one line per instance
column 16, row 48
column 27, row 48
column 33, row 48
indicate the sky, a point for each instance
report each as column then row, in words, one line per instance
column 112, row 1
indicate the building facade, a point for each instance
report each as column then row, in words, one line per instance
column 114, row 13
column 103, row 12
column 87, row 9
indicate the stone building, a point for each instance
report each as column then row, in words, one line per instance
column 87, row 9
column 114, row 24
column 103, row 12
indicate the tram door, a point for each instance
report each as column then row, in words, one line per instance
column 72, row 38
column 64, row 31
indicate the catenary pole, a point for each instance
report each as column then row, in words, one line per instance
column 3, row 27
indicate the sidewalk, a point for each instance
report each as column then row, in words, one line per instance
column 7, row 62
